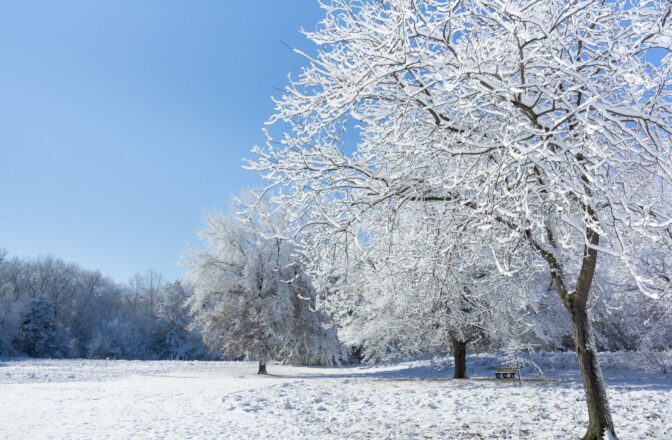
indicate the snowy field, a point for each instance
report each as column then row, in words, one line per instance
column 65, row 399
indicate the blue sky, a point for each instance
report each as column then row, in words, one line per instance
column 122, row 123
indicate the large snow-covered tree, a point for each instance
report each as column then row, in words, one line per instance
column 542, row 126
column 404, row 293
column 252, row 297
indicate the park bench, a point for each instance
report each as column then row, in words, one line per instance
column 505, row 373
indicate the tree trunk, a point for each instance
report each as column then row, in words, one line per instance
column 600, row 424
column 460, row 356
column 262, row 367
column 599, row 414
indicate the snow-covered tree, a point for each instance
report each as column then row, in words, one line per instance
column 117, row 338
column 541, row 128
column 9, row 313
column 252, row 297
column 173, row 337
column 404, row 293
column 40, row 335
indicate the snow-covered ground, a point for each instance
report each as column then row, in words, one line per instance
column 132, row 399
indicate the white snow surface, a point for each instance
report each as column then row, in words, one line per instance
column 83, row 399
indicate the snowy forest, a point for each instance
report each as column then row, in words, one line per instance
column 50, row 308
column 453, row 178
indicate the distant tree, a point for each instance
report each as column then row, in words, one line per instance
column 117, row 338
column 251, row 298
column 400, row 293
column 174, row 337
column 52, row 277
column 143, row 302
column 40, row 335
column 10, row 303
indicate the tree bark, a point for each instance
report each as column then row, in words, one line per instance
column 599, row 413
column 600, row 423
column 460, row 356
column 262, row 368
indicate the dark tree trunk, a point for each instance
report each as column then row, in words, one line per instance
column 262, row 368
column 599, row 413
column 460, row 355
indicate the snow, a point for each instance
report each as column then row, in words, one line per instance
column 72, row 399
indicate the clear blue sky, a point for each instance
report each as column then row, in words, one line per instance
column 122, row 123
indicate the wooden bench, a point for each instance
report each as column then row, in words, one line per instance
column 505, row 373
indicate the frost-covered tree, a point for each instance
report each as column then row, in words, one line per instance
column 117, row 338
column 173, row 337
column 541, row 126
column 40, row 335
column 252, row 297
column 404, row 292
column 9, row 307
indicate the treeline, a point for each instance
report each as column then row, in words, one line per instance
column 50, row 308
